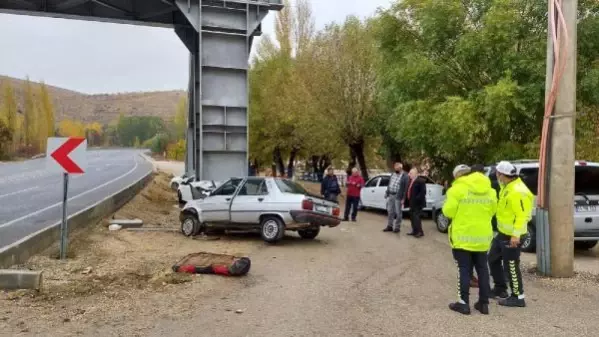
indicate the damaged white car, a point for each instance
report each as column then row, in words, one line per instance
column 269, row 205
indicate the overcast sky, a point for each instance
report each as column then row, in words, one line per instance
column 93, row 57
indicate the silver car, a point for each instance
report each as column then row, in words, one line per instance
column 270, row 205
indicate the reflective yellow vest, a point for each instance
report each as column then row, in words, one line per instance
column 514, row 209
column 471, row 203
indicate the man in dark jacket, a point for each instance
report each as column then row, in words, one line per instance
column 329, row 188
column 416, row 200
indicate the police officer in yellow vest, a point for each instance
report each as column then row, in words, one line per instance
column 471, row 203
column 514, row 211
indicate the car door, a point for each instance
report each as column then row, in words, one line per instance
column 367, row 193
column 248, row 204
column 215, row 207
column 379, row 199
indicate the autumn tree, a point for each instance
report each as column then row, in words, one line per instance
column 30, row 114
column 180, row 120
column 5, row 139
column 48, row 110
column 283, row 112
column 346, row 77
column 9, row 112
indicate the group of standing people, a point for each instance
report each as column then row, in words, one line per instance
column 405, row 190
column 330, row 190
column 471, row 205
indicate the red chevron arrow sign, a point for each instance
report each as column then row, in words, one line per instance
column 68, row 153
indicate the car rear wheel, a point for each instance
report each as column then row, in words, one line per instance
column 272, row 229
column 529, row 241
column 441, row 221
column 584, row 245
column 309, row 233
column 190, row 225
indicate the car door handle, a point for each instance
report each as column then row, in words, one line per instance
column 372, row 191
column 228, row 199
column 260, row 199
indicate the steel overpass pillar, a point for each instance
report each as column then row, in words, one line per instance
column 219, row 37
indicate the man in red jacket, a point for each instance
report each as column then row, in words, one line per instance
column 355, row 182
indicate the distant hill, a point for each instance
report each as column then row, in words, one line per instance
column 103, row 108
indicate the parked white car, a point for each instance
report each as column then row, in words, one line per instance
column 270, row 205
column 373, row 193
column 190, row 189
column 177, row 180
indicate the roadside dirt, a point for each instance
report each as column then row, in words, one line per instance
column 353, row 280
column 108, row 272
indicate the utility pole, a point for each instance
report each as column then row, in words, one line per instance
column 561, row 150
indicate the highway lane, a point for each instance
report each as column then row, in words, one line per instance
column 31, row 196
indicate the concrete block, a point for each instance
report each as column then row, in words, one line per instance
column 126, row 223
column 20, row 279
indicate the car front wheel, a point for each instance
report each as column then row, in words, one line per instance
column 272, row 229
column 190, row 225
column 309, row 233
column 529, row 241
column 441, row 221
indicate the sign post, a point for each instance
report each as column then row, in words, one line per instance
column 66, row 155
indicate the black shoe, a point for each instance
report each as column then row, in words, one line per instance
column 418, row 235
column 388, row 229
column 411, row 233
column 482, row 308
column 463, row 309
column 396, row 231
column 512, row 301
column 354, row 220
column 499, row 293
column 345, row 219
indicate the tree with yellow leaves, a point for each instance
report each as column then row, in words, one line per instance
column 69, row 128
column 47, row 109
column 8, row 111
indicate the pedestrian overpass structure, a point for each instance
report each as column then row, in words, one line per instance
column 218, row 35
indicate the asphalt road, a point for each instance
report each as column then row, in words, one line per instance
column 31, row 196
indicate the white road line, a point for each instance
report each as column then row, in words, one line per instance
column 17, row 192
column 71, row 198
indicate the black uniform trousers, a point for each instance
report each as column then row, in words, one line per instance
column 465, row 261
column 505, row 265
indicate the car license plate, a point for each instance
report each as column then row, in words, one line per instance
column 322, row 209
column 586, row 208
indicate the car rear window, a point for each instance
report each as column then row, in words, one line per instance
column 288, row 186
column 586, row 180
